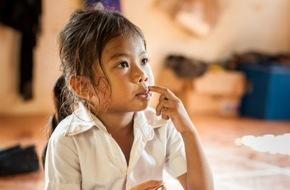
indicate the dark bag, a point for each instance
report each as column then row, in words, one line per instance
column 16, row 160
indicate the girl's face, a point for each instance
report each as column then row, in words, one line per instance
column 125, row 62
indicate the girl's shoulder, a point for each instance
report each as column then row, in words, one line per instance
column 62, row 127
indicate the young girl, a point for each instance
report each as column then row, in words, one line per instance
column 113, row 140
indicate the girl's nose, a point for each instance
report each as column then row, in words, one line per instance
column 143, row 78
column 141, row 75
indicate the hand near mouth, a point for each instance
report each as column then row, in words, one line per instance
column 171, row 107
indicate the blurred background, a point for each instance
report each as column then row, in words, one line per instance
column 228, row 61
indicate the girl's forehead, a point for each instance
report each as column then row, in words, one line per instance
column 126, row 37
column 124, row 41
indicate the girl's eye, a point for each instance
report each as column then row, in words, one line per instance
column 144, row 61
column 123, row 65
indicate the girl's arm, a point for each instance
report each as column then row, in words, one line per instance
column 199, row 175
column 62, row 168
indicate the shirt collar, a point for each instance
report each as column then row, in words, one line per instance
column 83, row 120
column 147, row 121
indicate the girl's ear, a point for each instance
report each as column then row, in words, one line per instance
column 81, row 86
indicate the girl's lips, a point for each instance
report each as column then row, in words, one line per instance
column 144, row 95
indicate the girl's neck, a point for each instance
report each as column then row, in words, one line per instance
column 117, row 122
column 120, row 126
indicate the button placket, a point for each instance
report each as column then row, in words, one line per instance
column 116, row 154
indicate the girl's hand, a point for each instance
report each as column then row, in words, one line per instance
column 150, row 185
column 171, row 107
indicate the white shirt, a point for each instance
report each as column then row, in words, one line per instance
column 81, row 153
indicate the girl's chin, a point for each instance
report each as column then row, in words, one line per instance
column 143, row 107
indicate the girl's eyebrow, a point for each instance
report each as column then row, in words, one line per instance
column 125, row 55
column 118, row 55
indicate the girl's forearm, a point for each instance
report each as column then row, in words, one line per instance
column 199, row 175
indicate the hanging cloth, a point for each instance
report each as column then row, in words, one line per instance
column 108, row 4
column 198, row 17
column 23, row 16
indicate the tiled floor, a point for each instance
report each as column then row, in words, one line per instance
column 240, row 151
column 240, row 167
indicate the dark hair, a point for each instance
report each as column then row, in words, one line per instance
column 61, row 108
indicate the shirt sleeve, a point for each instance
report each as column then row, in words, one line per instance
column 62, row 170
column 175, row 158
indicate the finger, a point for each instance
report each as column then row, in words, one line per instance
column 163, row 107
column 163, row 103
column 164, row 92
column 165, row 113
column 160, row 187
column 152, row 184
column 161, row 98
column 163, row 187
column 160, row 107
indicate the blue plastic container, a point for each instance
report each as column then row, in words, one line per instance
column 268, row 95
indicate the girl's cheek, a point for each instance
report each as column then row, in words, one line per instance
column 152, row 82
column 151, row 79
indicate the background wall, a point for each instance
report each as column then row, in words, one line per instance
column 261, row 25
column 243, row 25
column 46, row 69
